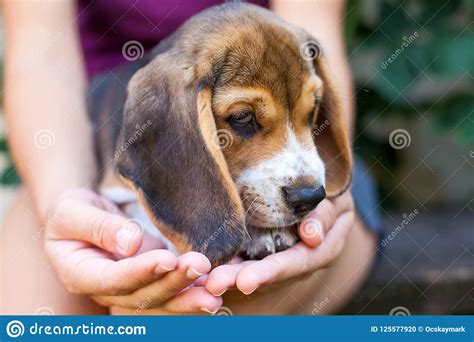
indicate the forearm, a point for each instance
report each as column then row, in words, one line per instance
column 324, row 19
column 44, row 98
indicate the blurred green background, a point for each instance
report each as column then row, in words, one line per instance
column 427, row 90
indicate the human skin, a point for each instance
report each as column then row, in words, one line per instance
column 44, row 89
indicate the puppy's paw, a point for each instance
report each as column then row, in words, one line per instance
column 265, row 241
column 259, row 245
column 284, row 238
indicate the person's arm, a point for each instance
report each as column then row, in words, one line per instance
column 52, row 146
column 48, row 129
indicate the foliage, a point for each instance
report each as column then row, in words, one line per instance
column 429, row 79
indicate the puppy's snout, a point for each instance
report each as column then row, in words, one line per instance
column 302, row 200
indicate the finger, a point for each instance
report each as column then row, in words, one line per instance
column 201, row 281
column 127, row 275
column 317, row 223
column 311, row 232
column 104, row 275
column 190, row 267
column 296, row 260
column 194, row 300
column 224, row 277
column 276, row 267
column 112, row 232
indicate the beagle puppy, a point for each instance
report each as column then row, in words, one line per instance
column 225, row 136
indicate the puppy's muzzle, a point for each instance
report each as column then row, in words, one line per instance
column 301, row 200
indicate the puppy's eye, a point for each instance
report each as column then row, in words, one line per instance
column 242, row 119
column 244, row 123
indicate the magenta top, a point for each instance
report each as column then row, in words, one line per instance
column 105, row 26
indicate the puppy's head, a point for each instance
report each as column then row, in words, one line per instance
column 245, row 129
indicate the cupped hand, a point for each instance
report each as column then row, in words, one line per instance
column 323, row 233
column 96, row 251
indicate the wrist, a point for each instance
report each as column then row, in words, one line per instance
column 47, row 197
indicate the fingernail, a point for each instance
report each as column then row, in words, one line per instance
column 192, row 274
column 210, row 311
column 219, row 294
column 160, row 269
column 123, row 240
column 249, row 292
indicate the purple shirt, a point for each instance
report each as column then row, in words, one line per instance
column 105, row 26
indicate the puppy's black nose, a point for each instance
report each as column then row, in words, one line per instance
column 302, row 200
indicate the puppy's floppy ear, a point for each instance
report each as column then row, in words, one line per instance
column 330, row 135
column 174, row 162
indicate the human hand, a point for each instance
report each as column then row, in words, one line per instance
column 93, row 247
column 323, row 233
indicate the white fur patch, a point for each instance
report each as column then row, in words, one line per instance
column 261, row 184
column 132, row 208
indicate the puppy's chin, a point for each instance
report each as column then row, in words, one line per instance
column 276, row 227
column 272, row 220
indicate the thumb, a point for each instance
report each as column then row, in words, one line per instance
column 314, row 226
column 75, row 220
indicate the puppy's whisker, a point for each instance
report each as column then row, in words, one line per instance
column 245, row 218
column 243, row 201
column 246, row 231
column 250, row 206
column 255, row 211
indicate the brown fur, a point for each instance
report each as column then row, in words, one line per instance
column 224, row 60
